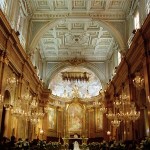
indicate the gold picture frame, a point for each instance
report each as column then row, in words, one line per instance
column 52, row 118
column 99, row 120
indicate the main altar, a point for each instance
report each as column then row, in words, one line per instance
column 69, row 140
column 72, row 139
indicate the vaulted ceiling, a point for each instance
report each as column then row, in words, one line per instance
column 79, row 31
column 82, row 29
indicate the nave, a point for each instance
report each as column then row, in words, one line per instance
column 75, row 74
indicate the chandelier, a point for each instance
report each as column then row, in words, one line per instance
column 113, row 117
column 110, row 115
column 36, row 115
column 138, row 81
column 103, row 109
column 123, row 110
column 12, row 79
column 27, row 97
column 117, row 103
column 116, row 122
column 75, row 76
column 27, row 115
column 34, row 120
column 34, row 103
column 17, row 110
column 133, row 114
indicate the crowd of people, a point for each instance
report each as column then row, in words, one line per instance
column 36, row 144
column 20, row 144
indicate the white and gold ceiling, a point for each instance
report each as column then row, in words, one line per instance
column 89, row 30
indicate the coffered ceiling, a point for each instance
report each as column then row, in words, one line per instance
column 85, row 6
column 82, row 29
column 79, row 32
column 77, row 38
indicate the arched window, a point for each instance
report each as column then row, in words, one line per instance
column 147, row 6
column 21, row 25
column 119, row 57
column 136, row 20
column 3, row 6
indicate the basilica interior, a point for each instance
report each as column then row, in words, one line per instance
column 75, row 70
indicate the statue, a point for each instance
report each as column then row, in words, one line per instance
column 75, row 92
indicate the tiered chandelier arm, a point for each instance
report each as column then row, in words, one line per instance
column 17, row 110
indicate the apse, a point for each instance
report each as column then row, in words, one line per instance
column 66, row 88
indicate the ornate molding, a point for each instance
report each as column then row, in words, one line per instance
column 76, row 61
column 102, row 15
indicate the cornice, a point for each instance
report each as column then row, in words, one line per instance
column 102, row 15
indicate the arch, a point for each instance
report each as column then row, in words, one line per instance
column 114, row 32
column 7, row 97
column 87, row 65
column 5, row 122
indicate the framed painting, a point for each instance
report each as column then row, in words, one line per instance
column 52, row 118
column 99, row 120
column 75, row 117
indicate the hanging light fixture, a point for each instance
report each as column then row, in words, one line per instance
column 27, row 97
column 103, row 109
column 12, row 79
column 138, row 81
column 110, row 115
column 116, row 122
column 17, row 110
column 117, row 103
column 133, row 114
column 34, row 103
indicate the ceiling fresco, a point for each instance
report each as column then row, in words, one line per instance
column 63, row 88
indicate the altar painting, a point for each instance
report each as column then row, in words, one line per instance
column 75, row 114
column 51, row 118
column 99, row 120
